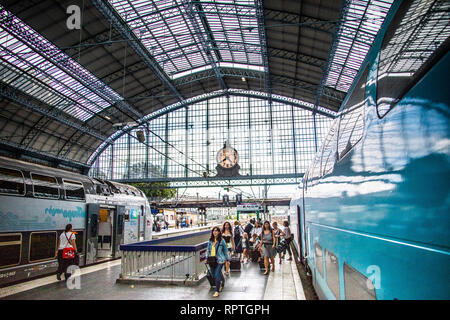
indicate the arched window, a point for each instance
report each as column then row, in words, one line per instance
column 418, row 34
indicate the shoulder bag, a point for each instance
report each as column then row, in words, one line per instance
column 68, row 253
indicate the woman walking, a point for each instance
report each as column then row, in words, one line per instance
column 278, row 233
column 288, row 238
column 268, row 246
column 227, row 235
column 237, row 237
column 245, row 247
column 217, row 255
column 66, row 240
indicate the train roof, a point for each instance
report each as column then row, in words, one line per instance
column 29, row 166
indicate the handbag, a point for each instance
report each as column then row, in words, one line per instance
column 68, row 253
column 281, row 246
column 212, row 261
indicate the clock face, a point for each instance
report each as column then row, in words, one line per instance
column 227, row 157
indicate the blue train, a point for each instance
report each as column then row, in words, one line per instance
column 371, row 218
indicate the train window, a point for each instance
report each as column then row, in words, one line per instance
column 45, row 186
column 74, row 190
column 10, row 249
column 103, row 190
column 352, row 117
column 329, row 150
column 42, row 245
column 114, row 189
column 332, row 267
column 319, row 259
column 417, row 35
column 79, row 240
column 11, row 182
column 357, row 286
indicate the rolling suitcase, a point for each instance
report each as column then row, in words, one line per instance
column 235, row 263
column 261, row 264
column 254, row 254
column 210, row 277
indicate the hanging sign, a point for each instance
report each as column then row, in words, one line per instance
column 248, row 207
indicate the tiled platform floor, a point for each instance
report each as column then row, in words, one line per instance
column 249, row 284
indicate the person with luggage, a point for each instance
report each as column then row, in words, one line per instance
column 227, row 235
column 67, row 251
column 216, row 256
column 288, row 238
column 245, row 247
column 255, row 249
column 278, row 233
column 268, row 246
column 237, row 237
column 257, row 229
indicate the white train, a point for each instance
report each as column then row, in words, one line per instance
column 37, row 202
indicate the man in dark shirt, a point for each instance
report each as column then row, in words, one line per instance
column 248, row 228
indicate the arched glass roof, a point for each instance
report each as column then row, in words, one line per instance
column 32, row 64
column 358, row 29
column 174, row 31
column 135, row 59
column 277, row 140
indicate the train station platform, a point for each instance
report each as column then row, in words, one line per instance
column 98, row 282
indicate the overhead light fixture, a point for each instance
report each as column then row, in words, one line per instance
column 243, row 79
column 140, row 135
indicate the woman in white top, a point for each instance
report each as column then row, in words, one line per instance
column 288, row 237
column 257, row 229
column 66, row 240
column 278, row 233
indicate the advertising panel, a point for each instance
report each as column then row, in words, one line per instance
column 28, row 214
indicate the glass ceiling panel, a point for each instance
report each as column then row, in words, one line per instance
column 30, row 71
column 358, row 30
column 230, row 29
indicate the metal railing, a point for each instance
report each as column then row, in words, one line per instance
column 175, row 260
column 174, row 232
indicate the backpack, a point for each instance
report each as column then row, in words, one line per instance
column 248, row 228
column 237, row 231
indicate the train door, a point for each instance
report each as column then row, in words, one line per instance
column 92, row 232
column 299, row 233
column 118, row 230
column 303, row 232
column 105, row 233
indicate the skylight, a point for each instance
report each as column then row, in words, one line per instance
column 25, row 66
column 219, row 64
column 358, row 30
column 167, row 28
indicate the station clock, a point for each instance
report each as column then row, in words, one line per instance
column 227, row 161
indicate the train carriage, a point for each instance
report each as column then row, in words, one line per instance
column 371, row 218
column 37, row 202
